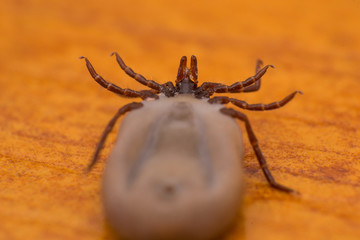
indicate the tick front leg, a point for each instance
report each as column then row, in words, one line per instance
column 240, row 86
column 127, row 108
column 207, row 89
column 254, row 143
column 168, row 89
column 113, row 88
column 254, row 107
column 138, row 77
column 257, row 84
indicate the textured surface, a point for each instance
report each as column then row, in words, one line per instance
column 52, row 113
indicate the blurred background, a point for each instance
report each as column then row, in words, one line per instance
column 52, row 112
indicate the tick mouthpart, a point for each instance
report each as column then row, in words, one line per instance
column 182, row 68
column 193, row 69
column 185, row 73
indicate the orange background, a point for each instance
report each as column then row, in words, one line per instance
column 52, row 113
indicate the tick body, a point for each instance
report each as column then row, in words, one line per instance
column 175, row 169
column 172, row 174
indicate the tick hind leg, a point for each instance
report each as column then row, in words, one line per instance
column 254, row 143
column 127, row 108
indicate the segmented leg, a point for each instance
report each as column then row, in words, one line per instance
column 141, row 79
column 237, row 87
column 113, row 88
column 168, row 89
column 256, row 85
column 109, row 127
column 254, row 143
column 253, row 107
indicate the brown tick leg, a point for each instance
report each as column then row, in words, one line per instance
column 168, row 89
column 257, row 84
column 112, row 87
column 141, row 79
column 254, row 143
column 239, row 86
column 127, row 108
column 254, row 107
column 207, row 89
column 219, row 100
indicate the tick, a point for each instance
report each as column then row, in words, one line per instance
column 175, row 171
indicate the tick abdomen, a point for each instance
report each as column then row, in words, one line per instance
column 175, row 171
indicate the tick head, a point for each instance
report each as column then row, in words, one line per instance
column 186, row 79
column 185, row 73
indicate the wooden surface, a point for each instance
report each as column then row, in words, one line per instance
column 52, row 113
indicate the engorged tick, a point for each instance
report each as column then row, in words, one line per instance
column 175, row 169
column 186, row 83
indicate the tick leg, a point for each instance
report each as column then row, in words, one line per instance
column 209, row 88
column 113, row 88
column 254, row 107
column 254, row 143
column 168, row 89
column 257, row 84
column 141, row 79
column 127, row 108
column 240, row 86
